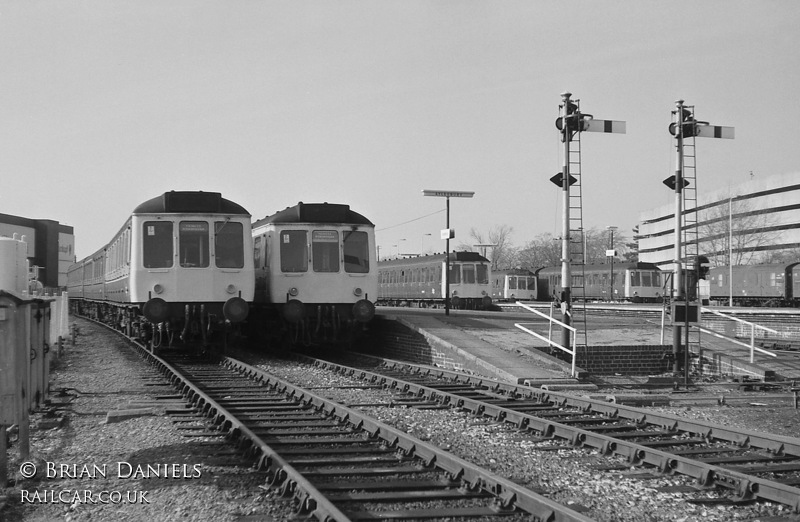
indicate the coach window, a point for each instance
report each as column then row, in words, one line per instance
column 483, row 274
column 468, row 273
column 356, row 252
column 455, row 275
column 157, row 244
column 193, row 244
column 636, row 280
column 294, row 251
column 228, row 244
column 325, row 250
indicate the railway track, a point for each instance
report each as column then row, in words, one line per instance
column 745, row 465
column 339, row 464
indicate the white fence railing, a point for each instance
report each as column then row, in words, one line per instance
column 552, row 321
column 753, row 327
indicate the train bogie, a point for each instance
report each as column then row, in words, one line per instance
column 315, row 268
column 421, row 281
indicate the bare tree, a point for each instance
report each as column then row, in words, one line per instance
column 496, row 246
column 733, row 232
column 543, row 250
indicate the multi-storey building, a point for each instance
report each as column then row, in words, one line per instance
column 747, row 223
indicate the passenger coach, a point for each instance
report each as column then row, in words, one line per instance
column 181, row 264
column 420, row 281
column 516, row 284
column 776, row 284
column 634, row 282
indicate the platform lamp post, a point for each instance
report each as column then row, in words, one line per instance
column 447, row 234
column 611, row 253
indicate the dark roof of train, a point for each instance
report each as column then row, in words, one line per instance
column 623, row 265
column 184, row 202
column 514, row 271
column 434, row 258
column 316, row 213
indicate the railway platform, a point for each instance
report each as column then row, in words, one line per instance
column 489, row 343
column 466, row 340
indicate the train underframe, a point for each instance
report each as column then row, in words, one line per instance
column 755, row 301
column 456, row 302
column 295, row 323
column 200, row 325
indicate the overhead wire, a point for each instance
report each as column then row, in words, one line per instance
column 410, row 221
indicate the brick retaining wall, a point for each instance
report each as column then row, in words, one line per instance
column 395, row 340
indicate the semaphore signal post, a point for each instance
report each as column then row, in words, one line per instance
column 570, row 123
column 685, row 128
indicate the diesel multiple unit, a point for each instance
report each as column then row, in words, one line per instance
column 315, row 271
column 181, row 264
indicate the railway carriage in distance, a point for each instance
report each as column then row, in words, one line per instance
column 756, row 285
column 316, row 272
column 634, row 282
column 420, row 281
column 515, row 284
column 181, row 264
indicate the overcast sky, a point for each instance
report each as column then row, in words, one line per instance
column 106, row 104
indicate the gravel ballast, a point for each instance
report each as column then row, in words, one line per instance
column 102, row 381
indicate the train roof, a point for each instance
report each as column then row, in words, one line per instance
column 332, row 213
column 761, row 266
column 514, row 271
column 434, row 258
column 603, row 267
column 194, row 202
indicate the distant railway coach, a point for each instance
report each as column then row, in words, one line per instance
column 420, row 281
column 515, row 284
column 315, row 270
column 756, row 285
column 180, row 266
column 634, row 282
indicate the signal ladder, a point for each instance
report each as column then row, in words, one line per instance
column 577, row 241
column 571, row 123
column 691, row 236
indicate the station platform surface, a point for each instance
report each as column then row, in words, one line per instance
column 487, row 340
column 509, row 353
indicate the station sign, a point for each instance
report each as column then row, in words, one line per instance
column 448, row 233
column 448, row 193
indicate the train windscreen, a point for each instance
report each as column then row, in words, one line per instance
column 157, row 244
column 193, row 244
column 356, row 252
column 325, row 250
column 294, row 251
column 229, row 244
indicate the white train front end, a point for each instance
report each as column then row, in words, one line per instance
column 315, row 265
